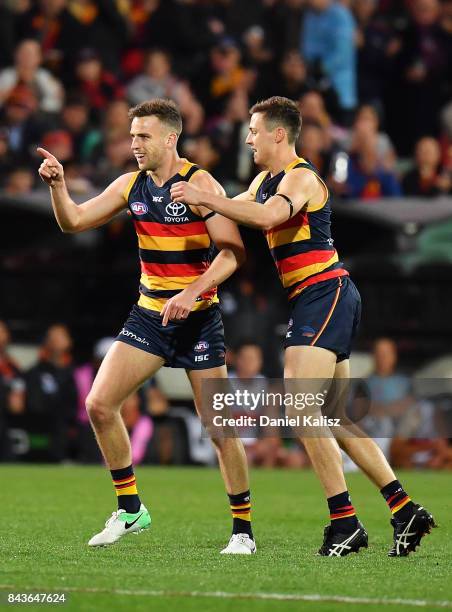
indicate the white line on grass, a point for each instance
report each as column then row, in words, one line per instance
column 314, row 597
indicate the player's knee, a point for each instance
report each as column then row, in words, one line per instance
column 98, row 411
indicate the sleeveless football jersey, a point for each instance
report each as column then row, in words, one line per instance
column 302, row 246
column 173, row 241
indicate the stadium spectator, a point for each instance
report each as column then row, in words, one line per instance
column 427, row 178
column 113, row 154
column 367, row 178
column 60, row 25
column 51, row 404
column 201, row 151
column 415, row 453
column 222, row 77
column 60, row 143
column 20, row 181
column 10, row 375
column 314, row 146
column 50, row 23
column 27, row 71
column 366, row 126
column 247, row 374
column 20, row 122
column 187, row 28
column 117, row 158
column 12, row 399
column 255, row 311
column 147, row 20
column 328, row 42
column 168, row 440
column 313, row 109
column 418, row 442
column 164, row 433
column 157, row 81
column 419, row 77
column 102, row 27
column 256, row 52
column 116, row 122
column 296, row 81
column 293, row 83
column 139, row 426
column 376, row 43
column 259, row 58
column 390, row 394
column 248, row 361
column 75, row 121
column 76, row 181
column 262, row 449
column 87, row 448
column 230, row 135
column 282, row 22
column 98, row 85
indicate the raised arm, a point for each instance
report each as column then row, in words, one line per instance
column 72, row 217
column 226, row 237
column 300, row 186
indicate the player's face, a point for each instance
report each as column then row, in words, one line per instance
column 260, row 139
column 151, row 142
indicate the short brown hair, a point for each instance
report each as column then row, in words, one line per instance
column 279, row 111
column 165, row 110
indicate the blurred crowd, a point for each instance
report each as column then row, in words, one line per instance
column 43, row 416
column 372, row 78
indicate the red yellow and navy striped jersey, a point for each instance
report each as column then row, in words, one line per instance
column 302, row 247
column 173, row 241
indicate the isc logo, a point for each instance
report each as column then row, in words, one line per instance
column 157, row 198
column 202, row 357
column 139, row 208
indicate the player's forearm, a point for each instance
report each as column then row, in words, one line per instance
column 223, row 266
column 65, row 209
column 241, row 211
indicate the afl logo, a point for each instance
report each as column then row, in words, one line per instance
column 175, row 209
column 201, row 346
column 139, row 208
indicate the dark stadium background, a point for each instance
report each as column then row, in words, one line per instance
column 378, row 125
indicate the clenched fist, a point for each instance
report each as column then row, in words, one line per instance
column 50, row 171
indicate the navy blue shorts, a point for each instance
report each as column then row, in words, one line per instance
column 196, row 343
column 327, row 315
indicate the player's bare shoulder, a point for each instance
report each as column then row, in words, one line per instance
column 123, row 184
column 206, row 182
column 303, row 186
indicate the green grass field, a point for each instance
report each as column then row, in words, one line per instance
column 50, row 513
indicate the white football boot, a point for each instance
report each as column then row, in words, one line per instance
column 240, row 544
column 121, row 523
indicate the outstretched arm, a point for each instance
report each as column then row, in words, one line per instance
column 72, row 217
column 226, row 237
column 300, row 186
